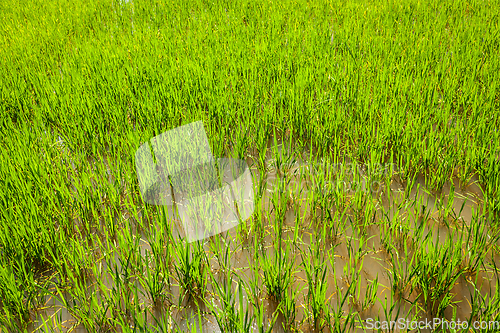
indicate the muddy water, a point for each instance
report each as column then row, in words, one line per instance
column 289, row 175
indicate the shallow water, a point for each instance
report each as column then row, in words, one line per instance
column 375, row 265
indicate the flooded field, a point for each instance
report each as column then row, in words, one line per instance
column 370, row 136
column 362, row 252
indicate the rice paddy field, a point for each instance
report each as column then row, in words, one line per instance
column 370, row 128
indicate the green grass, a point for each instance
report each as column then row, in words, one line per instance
column 371, row 130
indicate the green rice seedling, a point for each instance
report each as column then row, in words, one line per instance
column 465, row 174
column 393, row 232
column 160, row 242
column 388, row 179
column 75, row 299
column 288, row 308
column 409, row 177
column 478, row 243
column 453, row 325
column 15, row 313
column 280, row 201
column 488, row 173
column 114, row 293
column 337, row 320
column 370, row 215
column 90, row 205
column 262, row 139
column 280, row 159
column 253, row 289
column 259, row 220
column 260, row 321
column 370, row 294
column 231, row 316
column 438, row 177
column 335, row 224
column 191, row 271
column 402, row 275
column 245, row 232
column 356, row 258
column 318, row 205
column 444, row 209
column 119, row 297
column 297, row 228
column 354, row 267
column 376, row 170
column 126, row 271
column 438, row 269
column 340, row 322
column 155, row 284
column 315, row 268
column 95, row 316
column 129, row 254
column 277, row 271
column 220, row 247
column 195, row 327
column 162, row 324
column 74, row 265
column 362, row 215
column 484, row 308
column 325, row 198
column 456, row 217
column 391, row 313
column 55, row 321
column 396, row 231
